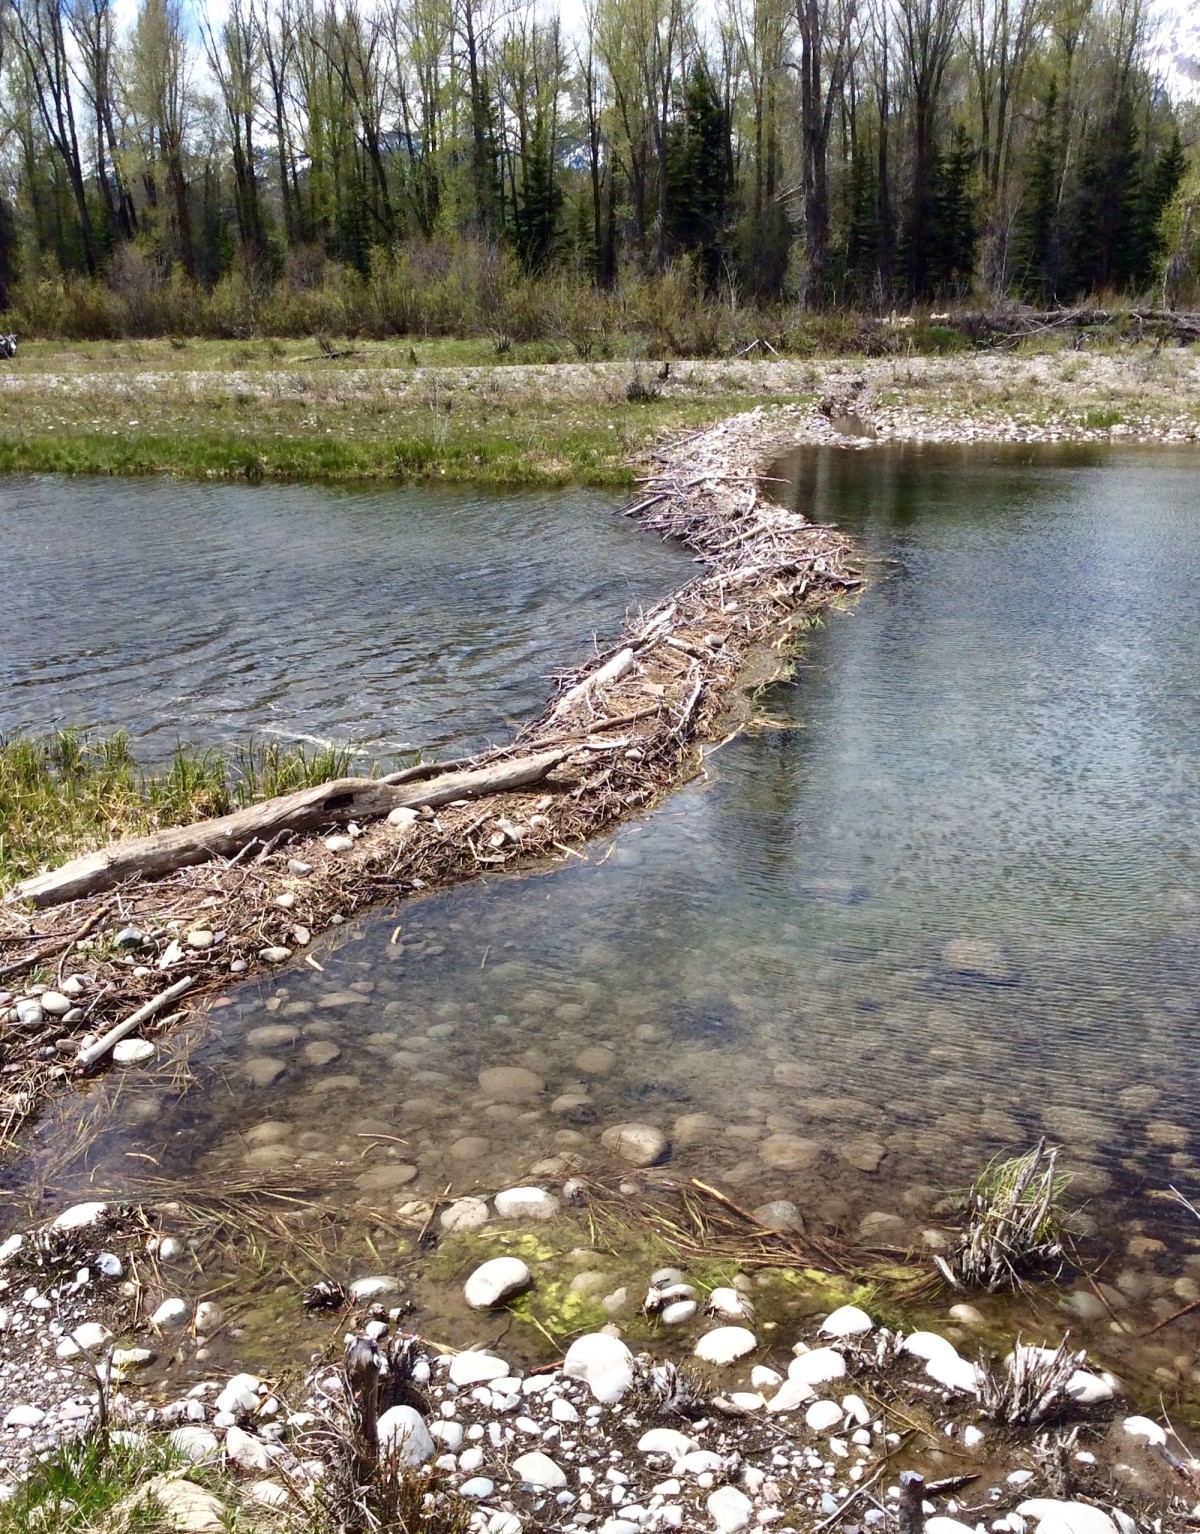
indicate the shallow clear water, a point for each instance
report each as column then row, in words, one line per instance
column 395, row 618
column 942, row 900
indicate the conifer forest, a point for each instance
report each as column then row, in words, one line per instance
column 400, row 166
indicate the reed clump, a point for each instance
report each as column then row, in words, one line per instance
column 68, row 792
column 1016, row 1223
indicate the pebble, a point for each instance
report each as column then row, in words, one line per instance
column 526, row 1204
column 1067, row 1517
column 822, row 1415
column 239, row 1397
column 477, row 1486
column 639, row 1144
column 55, row 1003
column 1143, row 1427
column 730, row 1509
column 678, row 1312
column 471, row 1368
column 262, row 1070
column 846, row 1321
column 133, row 1051
column 246, row 1451
column 604, row 1363
column 170, row 1314
column 464, row 1214
column 274, row 955
column 782, row 1215
column 85, row 1338
column 817, row 1366
column 339, row 843
column 728, row 1302
column 791, row 1394
column 200, row 938
column 495, row 1281
column 725, row 1344
column 667, row 1440
column 541, row 1471
column 401, row 1432
column 511, row 1084
column 194, row 1443
column 363, row 1290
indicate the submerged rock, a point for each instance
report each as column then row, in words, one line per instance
column 639, row 1144
column 511, row 1084
column 526, row 1204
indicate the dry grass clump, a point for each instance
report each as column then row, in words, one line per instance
column 1016, row 1224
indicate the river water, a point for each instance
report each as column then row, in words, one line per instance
column 940, row 900
column 391, row 618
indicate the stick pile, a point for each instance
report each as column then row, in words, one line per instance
column 619, row 732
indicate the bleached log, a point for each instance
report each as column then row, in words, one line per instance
column 151, row 857
column 612, row 670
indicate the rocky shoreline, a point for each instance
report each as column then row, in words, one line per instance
column 818, row 1423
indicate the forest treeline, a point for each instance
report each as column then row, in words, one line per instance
column 391, row 166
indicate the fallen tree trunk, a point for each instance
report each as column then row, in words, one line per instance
column 309, row 809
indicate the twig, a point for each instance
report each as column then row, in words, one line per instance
column 92, row 1052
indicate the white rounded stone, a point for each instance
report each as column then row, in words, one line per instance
column 240, row 1395
column 817, row 1366
column 791, row 1394
column 729, row 1509
column 541, row 1471
column 472, row 1368
column 494, row 1281
column 954, row 1372
column 85, row 1338
column 846, row 1321
column 402, row 1435
column 678, row 1312
column 822, row 1415
column 363, row 1290
column 603, row 1362
column 667, row 1440
column 927, row 1345
column 133, row 1051
column 725, row 1344
column 80, row 1215
column 728, row 1302
column 246, row 1451
column 1067, row 1517
column 465, row 1214
column 526, row 1204
column 170, row 1314
column 1144, row 1427
column 194, row 1443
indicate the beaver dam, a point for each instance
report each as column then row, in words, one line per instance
column 937, row 900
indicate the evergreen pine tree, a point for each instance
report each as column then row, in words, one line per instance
column 537, row 218
column 954, row 225
column 698, row 172
column 1101, row 240
column 863, row 241
column 1037, row 260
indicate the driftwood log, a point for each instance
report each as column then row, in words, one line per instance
column 998, row 325
column 345, row 799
